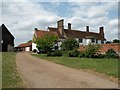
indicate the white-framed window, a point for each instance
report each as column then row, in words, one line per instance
column 80, row 40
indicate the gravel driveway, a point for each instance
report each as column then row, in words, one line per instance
column 39, row 73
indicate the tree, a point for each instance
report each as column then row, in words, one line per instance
column 69, row 44
column 46, row 43
column 29, row 41
column 116, row 41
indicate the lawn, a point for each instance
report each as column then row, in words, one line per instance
column 106, row 66
column 10, row 76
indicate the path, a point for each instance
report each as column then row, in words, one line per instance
column 39, row 73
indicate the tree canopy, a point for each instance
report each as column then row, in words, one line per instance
column 69, row 44
column 46, row 42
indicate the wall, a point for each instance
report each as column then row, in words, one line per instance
column 34, row 46
column 105, row 47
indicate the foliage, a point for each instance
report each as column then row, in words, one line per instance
column 69, row 44
column 55, row 53
column 91, row 50
column 46, row 42
column 116, row 41
column 81, row 55
column 29, row 41
column 73, row 53
column 108, row 42
column 111, row 54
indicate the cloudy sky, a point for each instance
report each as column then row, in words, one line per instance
column 22, row 17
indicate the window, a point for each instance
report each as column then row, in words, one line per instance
column 96, row 41
column 80, row 40
column 93, row 40
column 102, row 42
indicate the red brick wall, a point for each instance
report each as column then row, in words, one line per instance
column 104, row 47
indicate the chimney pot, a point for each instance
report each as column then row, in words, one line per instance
column 101, row 31
column 87, row 28
column 69, row 26
column 36, row 29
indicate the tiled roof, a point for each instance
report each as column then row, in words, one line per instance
column 69, row 34
column 41, row 33
column 78, row 34
column 25, row 44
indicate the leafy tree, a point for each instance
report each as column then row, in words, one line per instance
column 108, row 42
column 46, row 42
column 29, row 41
column 91, row 50
column 69, row 44
column 116, row 41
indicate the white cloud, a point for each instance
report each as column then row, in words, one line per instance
column 23, row 17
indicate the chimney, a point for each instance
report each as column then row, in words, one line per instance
column 69, row 26
column 101, row 31
column 87, row 28
column 60, row 26
column 36, row 29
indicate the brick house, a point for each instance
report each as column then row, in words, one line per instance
column 6, row 39
column 83, row 37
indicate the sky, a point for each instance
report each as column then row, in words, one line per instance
column 22, row 17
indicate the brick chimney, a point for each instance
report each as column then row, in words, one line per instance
column 69, row 26
column 101, row 31
column 60, row 26
column 87, row 28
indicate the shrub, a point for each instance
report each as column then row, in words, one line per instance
column 91, row 50
column 73, row 53
column 49, row 53
column 98, row 55
column 57, row 53
column 111, row 54
column 81, row 55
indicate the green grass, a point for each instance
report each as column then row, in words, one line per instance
column 106, row 66
column 10, row 76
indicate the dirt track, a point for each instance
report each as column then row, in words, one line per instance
column 39, row 73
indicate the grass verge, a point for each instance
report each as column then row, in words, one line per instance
column 10, row 76
column 106, row 66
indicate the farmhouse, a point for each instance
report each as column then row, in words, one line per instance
column 6, row 38
column 83, row 37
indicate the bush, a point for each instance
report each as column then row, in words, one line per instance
column 73, row 53
column 111, row 54
column 91, row 50
column 50, row 54
column 81, row 55
column 57, row 53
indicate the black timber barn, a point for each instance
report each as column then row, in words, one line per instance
column 7, row 39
